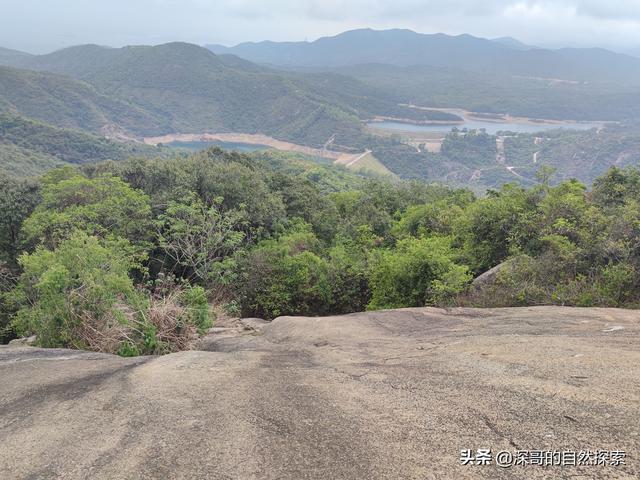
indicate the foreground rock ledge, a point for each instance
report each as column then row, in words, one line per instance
column 392, row 395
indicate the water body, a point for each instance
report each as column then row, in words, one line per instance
column 238, row 147
column 491, row 127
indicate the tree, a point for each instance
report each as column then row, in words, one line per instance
column 285, row 276
column 418, row 272
column 18, row 199
column 491, row 228
column 104, row 206
column 202, row 238
column 80, row 295
column 84, row 283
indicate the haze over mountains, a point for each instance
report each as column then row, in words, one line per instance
column 407, row 48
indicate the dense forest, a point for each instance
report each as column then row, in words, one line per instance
column 138, row 257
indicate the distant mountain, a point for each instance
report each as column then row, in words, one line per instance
column 9, row 56
column 394, row 47
column 511, row 42
column 408, row 48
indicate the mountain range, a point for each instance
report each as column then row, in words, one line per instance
column 404, row 48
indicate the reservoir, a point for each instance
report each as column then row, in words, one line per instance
column 490, row 126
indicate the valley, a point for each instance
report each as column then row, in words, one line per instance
column 392, row 119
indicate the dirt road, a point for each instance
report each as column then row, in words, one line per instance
column 382, row 395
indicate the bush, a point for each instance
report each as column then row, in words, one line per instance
column 102, row 206
column 285, row 277
column 7, row 282
column 80, row 295
column 418, row 272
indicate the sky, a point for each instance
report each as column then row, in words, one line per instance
column 40, row 26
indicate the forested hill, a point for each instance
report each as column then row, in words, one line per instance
column 179, row 87
column 12, row 56
column 475, row 74
column 29, row 147
column 69, row 103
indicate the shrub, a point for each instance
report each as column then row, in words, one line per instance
column 285, row 277
column 418, row 272
column 102, row 206
column 7, row 282
column 80, row 295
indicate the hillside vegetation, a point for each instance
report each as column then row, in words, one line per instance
column 69, row 103
column 125, row 256
column 28, row 147
column 470, row 158
column 184, row 88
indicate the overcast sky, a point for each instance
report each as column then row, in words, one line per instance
column 40, row 26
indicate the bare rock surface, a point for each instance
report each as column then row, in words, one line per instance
column 379, row 395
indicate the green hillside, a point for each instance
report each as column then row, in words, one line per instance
column 8, row 56
column 491, row 92
column 189, row 89
column 70, row 103
column 17, row 161
column 29, row 147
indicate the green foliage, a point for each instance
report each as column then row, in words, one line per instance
column 493, row 227
column 472, row 148
column 259, row 235
column 418, row 272
column 80, row 295
column 202, row 238
column 82, row 282
column 105, row 206
column 28, row 147
column 194, row 299
column 285, row 276
column 68, row 103
column 18, row 199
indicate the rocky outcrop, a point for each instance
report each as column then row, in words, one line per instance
column 489, row 277
column 394, row 395
column 25, row 341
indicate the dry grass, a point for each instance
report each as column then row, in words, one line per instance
column 165, row 315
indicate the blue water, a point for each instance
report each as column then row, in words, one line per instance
column 491, row 127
